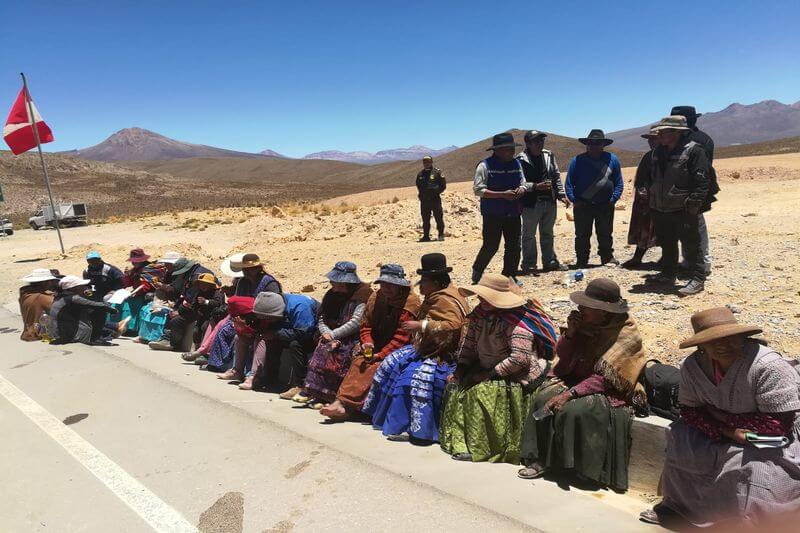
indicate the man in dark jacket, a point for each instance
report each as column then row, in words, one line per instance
column 103, row 277
column 431, row 185
column 678, row 190
column 539, row 210
column 594, row 184
column 704, row 140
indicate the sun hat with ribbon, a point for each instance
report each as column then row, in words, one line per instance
column 227, row 266
column 394, row 274
column 207, row 277
column 170, row 257
column 501, row 292
column 70, row 282
column 672, row 122
column 38, row 275
column 137, row 255
column 344, row 272
column 716, row 323
column 602, row 294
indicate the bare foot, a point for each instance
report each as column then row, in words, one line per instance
column 247, row 384
column 230, row 375
column 335, row 411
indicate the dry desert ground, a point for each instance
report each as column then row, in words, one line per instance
column 754, row 228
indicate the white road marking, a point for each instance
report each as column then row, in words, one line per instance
column 152, row 509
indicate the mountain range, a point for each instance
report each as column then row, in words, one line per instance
column 736, row 124
column 138, row 144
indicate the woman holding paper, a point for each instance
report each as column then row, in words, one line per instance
column 735, row 452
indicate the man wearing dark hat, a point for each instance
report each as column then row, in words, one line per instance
column 430, row 185
column 703, row 139
column 500, row 183
column 594, row 184
column 678, row 191
column 543, row 183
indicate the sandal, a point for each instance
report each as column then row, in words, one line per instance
column 531, row 472
column 230, row 375
column 316, row 405
column 464, row 456
column 189, row 356
column 650, row 516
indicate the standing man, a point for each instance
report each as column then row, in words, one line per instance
column 594, row 184
column 103, row 277
column 431, row 185
column 701, row 138
column 500, row 183
column 678, row 191
column 543, row 183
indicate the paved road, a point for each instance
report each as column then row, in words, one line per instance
column 150, row 443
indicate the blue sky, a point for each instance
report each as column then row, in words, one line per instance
column 299, row 77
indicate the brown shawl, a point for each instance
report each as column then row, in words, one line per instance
column 618, row 354
column 383, row 314
column 33, row 301
column 446, row 311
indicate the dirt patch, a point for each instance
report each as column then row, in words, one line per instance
column 226, row 515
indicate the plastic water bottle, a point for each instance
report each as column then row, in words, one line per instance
column 542, row 413
column 368, row 353
column 577, row 275
column 41, row 327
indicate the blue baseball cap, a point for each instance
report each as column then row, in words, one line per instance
column 94, row 254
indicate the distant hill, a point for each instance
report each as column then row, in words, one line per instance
column 458, row 165
column 781, row 146
column 137, row 144
column 271, row 153
column 412, row 153
column 736, row 124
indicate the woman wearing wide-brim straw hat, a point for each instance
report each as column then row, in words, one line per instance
column 502, row 360
column 734, row 392
column 580, row 419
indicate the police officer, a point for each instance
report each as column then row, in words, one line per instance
column 431, row 185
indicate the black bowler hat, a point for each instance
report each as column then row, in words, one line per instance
column 433, row 264
column 596, row 135
column 503, row 140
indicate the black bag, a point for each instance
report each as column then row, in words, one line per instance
column 661, row 383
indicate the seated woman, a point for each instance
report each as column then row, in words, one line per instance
column 405, row 400
column 75, row 318
column 381, row 334
column 35, row 299
column 734, row 392
column 342, row 309
column 142, row 277
column 503, row 359
column 581, row 417
column 209, row 335
column 254, row 281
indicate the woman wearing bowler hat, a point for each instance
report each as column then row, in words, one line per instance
column 405, row 399
column 735, row 393
column 580, row 420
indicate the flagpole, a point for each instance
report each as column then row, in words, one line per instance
column 56, row 211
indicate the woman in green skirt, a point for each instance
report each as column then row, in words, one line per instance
column 580, row 419
column 503, row 358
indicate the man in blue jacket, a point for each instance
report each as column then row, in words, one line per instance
column 284, row 321
column 594, row 184
column 500, row 183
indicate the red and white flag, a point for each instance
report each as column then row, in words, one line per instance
column 18, row 132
